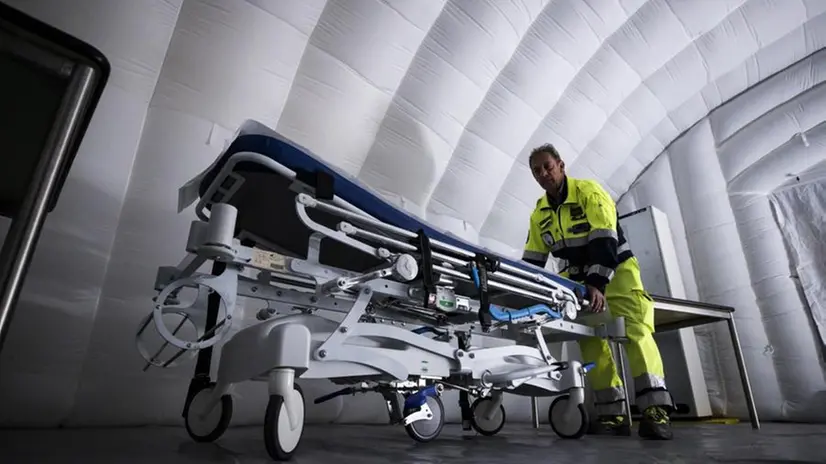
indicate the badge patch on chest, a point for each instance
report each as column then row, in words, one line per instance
column 548, row 238
column 580, row 228
column 577, row 213
column 544, row 223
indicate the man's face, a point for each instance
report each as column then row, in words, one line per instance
column 548, row 172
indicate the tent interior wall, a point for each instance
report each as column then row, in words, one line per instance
column 711, row 110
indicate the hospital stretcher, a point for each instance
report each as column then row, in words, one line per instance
column 378, row 301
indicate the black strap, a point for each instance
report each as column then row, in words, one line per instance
column 484, row 265
column 426, row 270
column 324, row 185
column 321, row 181
column 463, row 340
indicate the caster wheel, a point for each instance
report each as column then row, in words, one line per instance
column 211, row 426
column 487, row 427
column 427, row 430
column 567, row 424
column 280, row 439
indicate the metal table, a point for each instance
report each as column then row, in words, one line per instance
column 673, row 314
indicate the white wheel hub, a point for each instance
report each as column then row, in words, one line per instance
column 203, row 422
column 566, row 417
column 487, row 423
column 288, row 437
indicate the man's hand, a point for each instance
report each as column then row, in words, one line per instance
column 596, row 298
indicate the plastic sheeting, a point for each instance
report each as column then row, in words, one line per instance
column 801, row 213
column 699, row 107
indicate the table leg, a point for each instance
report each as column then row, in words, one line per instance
column 621, row 372
column 744, row 376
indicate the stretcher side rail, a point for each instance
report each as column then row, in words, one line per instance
column 559, row 297
column 551, row 292
column 508, row 278
column 388, row 234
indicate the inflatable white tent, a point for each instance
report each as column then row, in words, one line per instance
column 711, row 110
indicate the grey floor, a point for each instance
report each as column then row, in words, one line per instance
column 517, row 443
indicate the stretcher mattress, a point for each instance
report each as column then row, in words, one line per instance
column 266, row 204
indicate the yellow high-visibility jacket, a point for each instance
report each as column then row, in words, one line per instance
column 582, row 229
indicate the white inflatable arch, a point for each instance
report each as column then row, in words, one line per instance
column 711, row 110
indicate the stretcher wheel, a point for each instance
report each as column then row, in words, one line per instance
column 567, row 424
column 213, row 425
column 424, row 431
column 487, row 427
column 279, row 438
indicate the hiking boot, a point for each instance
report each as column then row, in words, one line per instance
column 655, row 424
column 611, row 425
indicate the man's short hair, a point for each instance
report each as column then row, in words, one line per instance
column 546, row 148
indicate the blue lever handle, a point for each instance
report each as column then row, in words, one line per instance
column 509, row 315
column 419, row 398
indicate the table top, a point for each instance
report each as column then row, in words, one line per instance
column 674, row 313
column 669, row 314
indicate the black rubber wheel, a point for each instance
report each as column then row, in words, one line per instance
column 487, row 427
column 280, row 440
column 424, row 431
column 573, row 427
column 209, row 428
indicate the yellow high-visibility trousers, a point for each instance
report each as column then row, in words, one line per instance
column 626, row 297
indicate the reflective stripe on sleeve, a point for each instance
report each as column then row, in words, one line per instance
column 602, row 233
column 600, row 270
column 582, row 241
column 569, row 243
column 534, row 255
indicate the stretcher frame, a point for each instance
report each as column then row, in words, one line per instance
column 212, row 238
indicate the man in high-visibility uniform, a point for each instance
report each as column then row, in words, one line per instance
column 576, row 221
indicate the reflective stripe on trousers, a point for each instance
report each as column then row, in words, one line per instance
column 651, row 391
